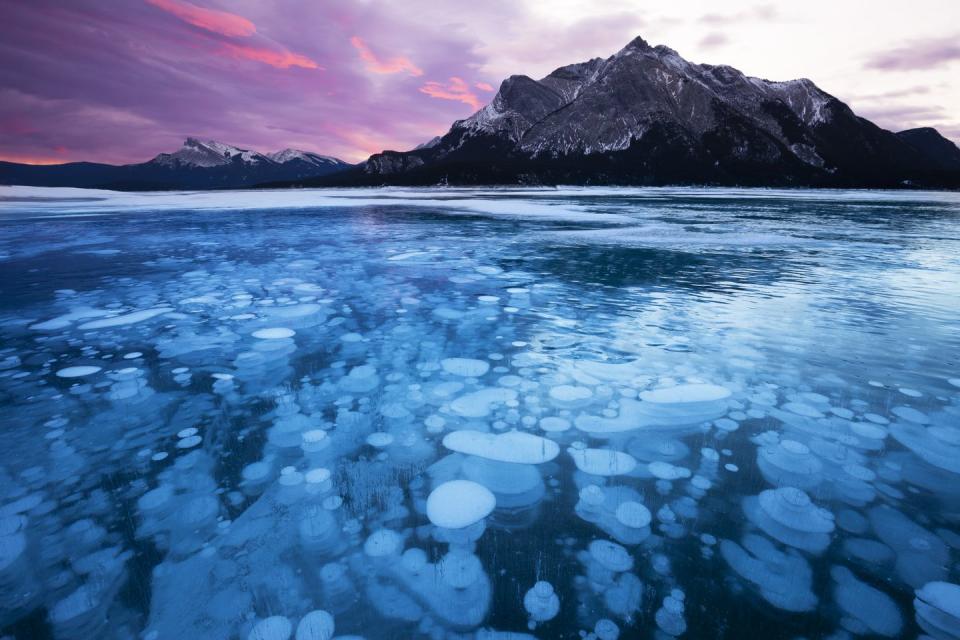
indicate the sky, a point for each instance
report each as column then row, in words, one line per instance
column 121, row 80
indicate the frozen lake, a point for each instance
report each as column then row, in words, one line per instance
column 479, row 414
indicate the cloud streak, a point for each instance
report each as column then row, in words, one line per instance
column 455, row 89
column 397, row 64
column 918, row 55
column 222, row 22
column 277, row 59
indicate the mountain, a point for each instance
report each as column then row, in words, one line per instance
column 934, row 146
column 198, row 164
column 648, row 116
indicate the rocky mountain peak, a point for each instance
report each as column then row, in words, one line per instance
column 637, row 44
column 648, row 115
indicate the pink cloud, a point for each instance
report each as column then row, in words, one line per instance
column 456, row 89
column 483, row 86
column 222, row 22
column 278, row 59
column 918, row 55
column 397, row 64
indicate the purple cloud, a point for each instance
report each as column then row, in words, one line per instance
column 918, row 55
column 713, row 40
column 120, row 82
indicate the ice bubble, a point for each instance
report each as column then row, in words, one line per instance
column 316, row 625
column 868, row 550
column 541, row 602
column 77, row 372
column 361, row 379
column 383, row 542
column 666, row 471
column 606, row 629
column 465, row 367
column 133, row 355
column 802, row 409
column 318, row 480
column 669, row 617
column 784, row 579
column 129, row 318
column 272, row 628
column 554, row 424
column 788, row 515
column 611, row 555
column 677, row 405
column 512, row 446
column 460, row 569
column 937, row 606
column 602, row 462
column 686, row 393
column 273, row 333
column 910, row 415
column 459, row 503
column 189, row 443
column 478, row 404
column 921, row 555
column 726, row 424
column 568, row 396
column 379, row 439
column 872, row 608
column 938, row 445
column 633, row 514
column 789, row 463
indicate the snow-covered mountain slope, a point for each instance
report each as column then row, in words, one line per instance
column 209, row 153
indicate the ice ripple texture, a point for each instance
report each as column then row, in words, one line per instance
column 479, row 414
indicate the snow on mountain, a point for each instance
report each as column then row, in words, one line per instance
column 209, row 153
column 293, row 155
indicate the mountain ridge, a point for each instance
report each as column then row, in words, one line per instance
column 197, row 164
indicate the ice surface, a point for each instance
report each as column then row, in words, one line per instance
column 303, row 407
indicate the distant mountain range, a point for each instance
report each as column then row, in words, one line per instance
column 647, row 116
column 644, row 116
column 197, row 164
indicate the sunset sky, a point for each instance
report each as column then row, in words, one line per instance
column 122, row 80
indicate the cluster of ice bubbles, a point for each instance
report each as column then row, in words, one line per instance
column 300, row 462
